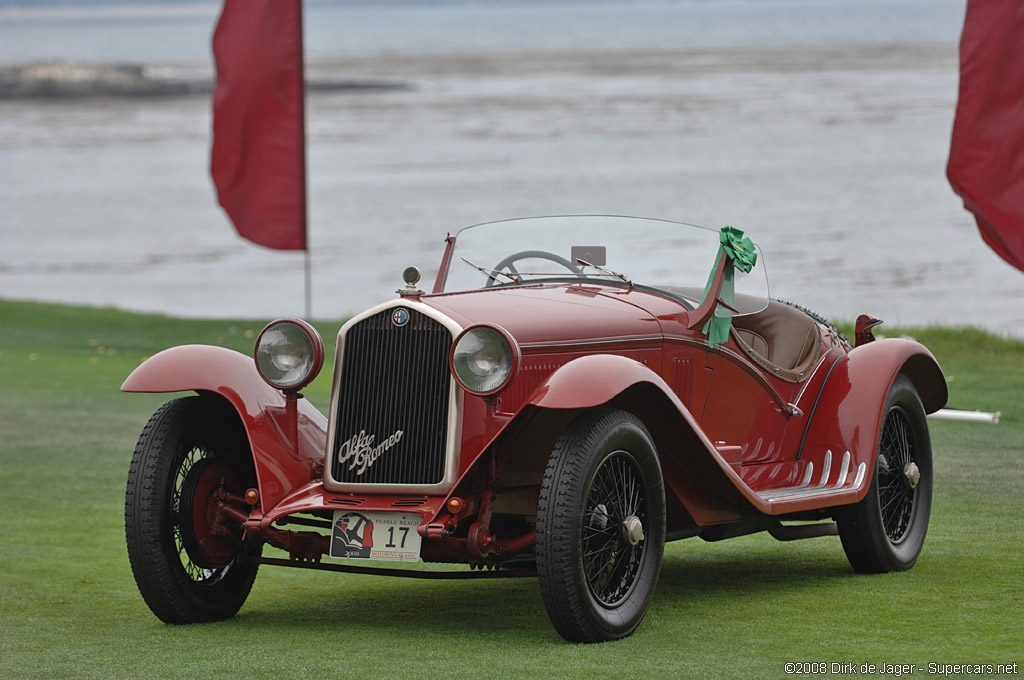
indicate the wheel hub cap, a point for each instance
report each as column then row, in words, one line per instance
column 912, row 474
column 634, row 529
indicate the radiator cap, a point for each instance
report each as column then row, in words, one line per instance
column 411, row 276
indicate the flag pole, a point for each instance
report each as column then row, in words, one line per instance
column 308, row 258
column 309, row 284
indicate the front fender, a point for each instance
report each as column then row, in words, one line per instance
column 593, row 380
column 288, row 437
column 700, row 475
column 848, row 415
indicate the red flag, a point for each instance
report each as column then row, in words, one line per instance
column 986, row 159
column 258, row 161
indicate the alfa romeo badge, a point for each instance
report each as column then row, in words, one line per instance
column 400, row 316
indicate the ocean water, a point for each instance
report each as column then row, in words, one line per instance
column 819, row 127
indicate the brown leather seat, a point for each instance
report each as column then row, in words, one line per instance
column 781, row 339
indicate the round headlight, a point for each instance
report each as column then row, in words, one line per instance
column 484, row 359
column 289, row 354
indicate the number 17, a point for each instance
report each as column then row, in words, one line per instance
column 391, row 537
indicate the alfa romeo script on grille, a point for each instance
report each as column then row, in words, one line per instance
column 360, row 451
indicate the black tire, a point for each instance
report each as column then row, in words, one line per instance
column 185, row 574
column 602, row 475
column 885, row 531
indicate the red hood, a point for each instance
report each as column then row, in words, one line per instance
column 559, row 312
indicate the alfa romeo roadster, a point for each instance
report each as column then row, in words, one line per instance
column 571, row 394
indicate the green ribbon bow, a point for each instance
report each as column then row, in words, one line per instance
column 742, row 255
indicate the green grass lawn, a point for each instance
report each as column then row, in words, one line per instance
column 741, row 608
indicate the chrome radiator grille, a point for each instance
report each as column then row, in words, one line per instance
column 393, row 392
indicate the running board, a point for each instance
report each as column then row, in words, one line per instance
column 796, row 532
column 805, row 490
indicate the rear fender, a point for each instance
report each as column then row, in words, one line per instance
column 848, row 415
column 288, row 437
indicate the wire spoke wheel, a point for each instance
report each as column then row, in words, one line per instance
column 204, row 558
column 895, row 493
column 600, row 527
column 610, row 561
column 886, row 530
column 189, row 566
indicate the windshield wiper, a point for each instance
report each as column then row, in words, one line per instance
column 492, row 273
column 609, row 272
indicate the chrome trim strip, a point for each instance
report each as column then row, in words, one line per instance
column 455, row 396
column 586, row 343
column 691, row 342
column 817, row 400
column 810, row 378
column 826, row 469
column 792, row 493
column 807, row 475
column 844, row 470
column 861, row 472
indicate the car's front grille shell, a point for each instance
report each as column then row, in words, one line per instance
column 392, row 398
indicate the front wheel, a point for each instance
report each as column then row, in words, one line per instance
column 885, row 531
column 189, row 568
column 600, row 527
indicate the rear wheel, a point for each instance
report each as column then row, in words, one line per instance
column 600, row 527
column 188, row 567
column 885, row 531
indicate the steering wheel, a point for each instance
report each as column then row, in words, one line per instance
column 525, row 254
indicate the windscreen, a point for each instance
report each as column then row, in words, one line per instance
column 673, row 257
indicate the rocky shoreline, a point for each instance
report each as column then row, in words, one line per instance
column 71, row 80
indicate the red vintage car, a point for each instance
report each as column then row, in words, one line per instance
column 571, row 394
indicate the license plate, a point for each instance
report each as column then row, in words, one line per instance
column 376, row 535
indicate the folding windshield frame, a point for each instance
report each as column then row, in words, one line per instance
column 697, row 266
